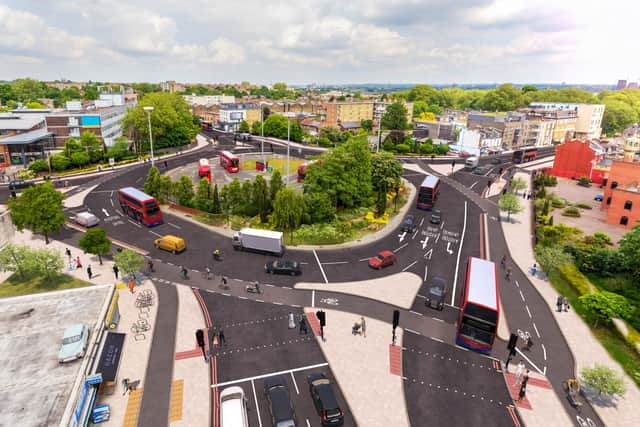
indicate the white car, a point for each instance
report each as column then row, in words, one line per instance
column 74, row 343
column 233, row 408
column 87, row 219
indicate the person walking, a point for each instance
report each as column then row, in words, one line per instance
column 303, row 326
column 131, row 285
column 224, row 280
column 89, row 271
column 565, row 303
column 522, row 392
column 534, row 269
column 221, row 338
column 519, row 371
column 528, row 344
column 116, row 270
column 68, row 252
column 363, row 327
column 503, row 261
column 508, row 275
column 78, row 263
column 559, row 303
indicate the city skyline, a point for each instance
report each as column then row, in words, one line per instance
column 319, row 42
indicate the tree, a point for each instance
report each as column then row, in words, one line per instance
column 395, row 118
column 528, row 88
column 90, row 92
column 331, row 133
column 216, row 207
column 617, row 116
column 629, row 248
column 276, row 125
column 288, row 210
column 604, row 380
column 27, row 90
column 39, row 209
column 244, row 127
column 320, row 207
column 275, row 185
column 203, row 195
column 504, row 98
column 80, row 159
column 129, row 261
column 59, row 162
column 261, row 197
column 34, row 105
column 385, row 171
column 95, row 242
column 509, row 203
column 119, row 150
column 183, row 191
column 604, row 305
column 424, row 93
column 367, row 125
column 6, row 93
column 93, row 146
column 426, row 116
column 49, row 262
column 518, row 184
column 551, row 258
column 256, row 128
column 19, row 259
column 152, row 183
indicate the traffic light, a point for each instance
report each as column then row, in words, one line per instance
column 396, row 318
column 322, row 318
column 513, row 340
column 200, row 338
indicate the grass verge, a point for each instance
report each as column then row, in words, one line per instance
column 33, row 284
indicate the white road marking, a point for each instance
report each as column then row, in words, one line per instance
column 421, row 296
column 438, row 237
column 414, row 234
column 536, row 328
column 442, row 225
column 517, row 284
column 111, row 194
column 473, row 185
column 320, row 265
column 335, row 262
column 462, row 348
column 437, row 339
column 105, row 212
column 397, row 249
column 522, row 295
column 155, row 234
column 255, row 398
column 528, row 312
column 272, row 374
column 295, row 383
column 119, row 213
column 544, row 352
column 415, row 312
column 426, row 269
column 435, row 318
column 278, row 303
column 308, row 424
column 409, row 266
column 449, row 250
column 111, row 200
column 402, row 236
column 412, row 331
column 134, row 223
column 529, row 360
column 421, row 222
column 313, row 298
column 455, row 277
column 364, row 259
column 174, row 226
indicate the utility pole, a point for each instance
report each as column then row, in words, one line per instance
column 379, row 135
column 288, row 146
column 264, row 160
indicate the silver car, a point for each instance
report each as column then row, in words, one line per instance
column 74, row 343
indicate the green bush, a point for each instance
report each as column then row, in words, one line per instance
column 402, row 148
column 25, row 174
column 571, row 212
column 80, row 159
column 442, row 149
column 583, row 206
column 322, row 234
column 575, row 278
column 388, row 145
column 426, row 148
column 38, row 166
column 558, row 203
column 325, row 142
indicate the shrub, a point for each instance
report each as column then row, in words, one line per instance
column 558, row 203
column 388, row 145
column 583, row 206
column 426, row 148
column 25, row 174
column 575, row 278
column 38, row 166
column 322, row 234
column 442, row 149
column 571, row 212
column 584, row 181
column 325, row 142
column 80, row 159
column 402, row 148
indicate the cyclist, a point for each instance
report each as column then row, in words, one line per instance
column 150, row 265
column 216, row 254
column 184, row 272
column 208, row 271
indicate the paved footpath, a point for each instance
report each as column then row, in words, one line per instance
column 586, row 349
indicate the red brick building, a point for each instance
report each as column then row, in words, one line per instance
column 622, row 194
column 575, row 159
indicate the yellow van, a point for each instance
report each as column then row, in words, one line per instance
column 170, row 243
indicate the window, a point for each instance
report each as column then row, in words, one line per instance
column 609, row 200
column 624, row 220
column 628, row 204
column 614, row 184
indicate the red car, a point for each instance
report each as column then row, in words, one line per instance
column 383, row 259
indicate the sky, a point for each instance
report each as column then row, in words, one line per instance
column 321, row 41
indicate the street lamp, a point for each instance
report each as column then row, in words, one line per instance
column 149, row 109
column 262, row 135
column 288, row 145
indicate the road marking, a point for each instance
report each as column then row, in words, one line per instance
column 449, row 250
column 421, row 296
column 544, row 351
column 308, row 424
column 529, row 360
column 136, row 224
column 437, row 339
column 295, row 383
column 426, row 268
column 111, row 200
column 277, row 303
column 320, row 265
column 421, row 222
column 111, row 194
column 273, row 374
column 461, row 348
column 536, row 328
column 409, row 266
column 438, row 237
column 397, row 249
column 364, row 259
column 517, row 284
column 255, row 398
column 402, row 236
column 174, row 226
column 522, row 295
column 105, row 212
column 313, row 298
column 415, row 312
column 435, row 318
column 528, row 312
column 442, row 225
column 335, row 262
column 155, row 234
column 472, row 185
column 414, row 234
column 455, row 278
column 412, row 331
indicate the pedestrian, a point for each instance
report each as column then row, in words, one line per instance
column 519, row 371
column 503, row 261
column 534, row 269
column 89, row 271
column 363, row 327
column 221, row 338
column 303, row 326
column 525, row 378
column 131, row 285
column 508, row 275
column 522, row 392
column 116, row 270
column 208, row 270
column 150, row 266
column 529, row 344
column 565, row 303
column 68, row 252
column 292, row 321
column 559, row 303
column 504, row 191
column 78, row 263
column 125, row 385
column 224, row 280
column 166, row 165
column 506, row 365
column 529, row 195
column 524, row 194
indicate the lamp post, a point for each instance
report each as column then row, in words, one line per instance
column 149, row 109
column 262, row 135
column 288, row 145
column 379, row 125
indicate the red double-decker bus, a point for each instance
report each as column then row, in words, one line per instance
column 302, row 169
column 140, row 206
column 204, row 168
column 525, row 154
column 428, row 193
column 229, row 161
column 480, row 310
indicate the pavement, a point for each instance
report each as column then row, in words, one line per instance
column 585, row 348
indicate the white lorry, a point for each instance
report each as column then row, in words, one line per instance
column 471, row 163
column 251, row 239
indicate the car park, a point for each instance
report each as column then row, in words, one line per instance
column 383, row 259
column 233, row 408
column 173, row 244
column 436, row 216
column 409, row 224
column 436, row 294
column 324, row 399
column 277, row 394
column 19, row 184
column 283, row 267
column 74, row 343
column 86, row 219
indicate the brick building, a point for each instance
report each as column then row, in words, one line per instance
column 622, row 194
column 575, row 159
column 338, row 112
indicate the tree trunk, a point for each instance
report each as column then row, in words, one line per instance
column 100, row 259
column 46, row 238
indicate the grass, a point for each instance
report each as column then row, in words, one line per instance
column 278, row 164
column 33, row 284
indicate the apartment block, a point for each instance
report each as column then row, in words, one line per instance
column 509, row 124
column 622, row 194
column 171, row 86
column 194, row 100
column 478, row 142
column 380, row 107
column 231, row 115
column 338, row 112
column 589, row 117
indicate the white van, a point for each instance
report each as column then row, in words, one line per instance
column 471, row 163
column 87, row 219
column 233, row 408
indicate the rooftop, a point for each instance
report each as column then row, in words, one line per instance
column 11, row 121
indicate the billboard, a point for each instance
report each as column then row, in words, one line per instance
column 90, row 121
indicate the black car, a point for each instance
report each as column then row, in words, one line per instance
column 277, row 393
column 281, row 266
column 481, row 170
column 409, row 224
column 436, row 216
column 19, row 184
column 436, row 294
column 325, row 400
column 496, row 161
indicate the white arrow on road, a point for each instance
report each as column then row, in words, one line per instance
column 424, row 242
column 428, row 254
column 105, row 212
column 402, row 236
column 450, row 251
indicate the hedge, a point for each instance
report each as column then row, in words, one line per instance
column 572, row 212
column 576, row 279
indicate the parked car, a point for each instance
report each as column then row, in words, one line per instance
column 496, row 161
column 383, row 259
column 20, row 184
column 233, row 408
column 74, row 343
column 86, row 219
column 436, row 216
column 277, row 393
column 283, row 266
column 599, row 198
column 409, row 224
column 173, row 244
column 436, row 294
column 325, row 400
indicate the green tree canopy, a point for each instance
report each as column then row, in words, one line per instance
column 288, row 210
column 367, row 125
column 244, row 127
column 629, row 248
column 604, row 305
column 385, row 169
column 509, row 203
column 129, row 261
column 95, row 242
column 204, row 196
column 424, row 93
column 275, row 184
column 39, row 209
column 276, row 125
column 152, row 183
column 27, row 89
column 505, row 98
column 518, row 184
column 261, row 197
column 182, row 190
column 17, row 258
column 395, row 118
column 604, row 380
column 617, row 116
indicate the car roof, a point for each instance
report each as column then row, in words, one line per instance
column 386, row 253
column 273, row 381
column 327, row 396
column 438, row 281
column 73, row 330
column 280, row 403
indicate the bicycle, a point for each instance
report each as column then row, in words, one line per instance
column 141, row 325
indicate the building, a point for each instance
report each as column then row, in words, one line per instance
column 441, row 132
column 589, row 117
column 231, row 115
column 171, row 86
column 194, row 99
column 621, row 196
column 622, row 84
column 478, row 142
column 338, row 112
column 632, row 85
column 510, row 125
column 23, row 138
column 631, row 148
column 576, row 159
column 543, row 126
column 311, row 125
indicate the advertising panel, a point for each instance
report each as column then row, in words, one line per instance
column 90, row 121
